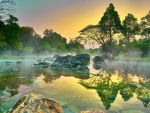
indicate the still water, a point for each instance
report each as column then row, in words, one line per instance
column 116, row 87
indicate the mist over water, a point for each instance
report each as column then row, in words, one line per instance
column 64, row 87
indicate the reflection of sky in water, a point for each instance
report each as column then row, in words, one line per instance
column 69, row 93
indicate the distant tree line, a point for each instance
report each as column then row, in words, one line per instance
column 115, row 36
column 18, row 40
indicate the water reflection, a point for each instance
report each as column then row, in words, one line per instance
column 108, row 85
column 11, row 81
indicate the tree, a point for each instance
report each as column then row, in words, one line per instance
column 26, row 34
column 48, row 32
column 110, row 22
column 12, row 33
column 147, row 18
column 55, row 40
column 102, row 33
column 146, row 32
column 6, row 7
column 75, row 46
column 130, row 27
column 92, row 34
column 145, row 25
column 2, row 36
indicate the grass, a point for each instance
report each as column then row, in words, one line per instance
column 19, row 57
column 142, row 59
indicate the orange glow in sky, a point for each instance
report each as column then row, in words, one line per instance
column 67, row 17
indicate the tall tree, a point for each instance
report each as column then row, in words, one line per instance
column 130, row 27
column 145, row 25
column 2, row 36
column 110, row 22
column 26, row 34
column 12, row 33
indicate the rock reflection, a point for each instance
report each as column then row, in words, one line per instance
column 108, row 85
column 53, row 75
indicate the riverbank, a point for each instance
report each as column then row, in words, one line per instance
column 142, row 59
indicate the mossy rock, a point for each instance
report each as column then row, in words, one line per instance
column 33, row 103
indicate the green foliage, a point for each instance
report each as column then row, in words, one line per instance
column 75, row 46
column 146, row 32
column 26, row 34
column 45, row 47
column 110, row 22
column 130, row 27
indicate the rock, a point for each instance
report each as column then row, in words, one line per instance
column 42, row 64
column 70, row 62
column 56, row 56
column 10, row 70
column 98, row 60
column 33, row 103
column 8, row 63
column 18, row 62
column 92, row 111
column 107, row 56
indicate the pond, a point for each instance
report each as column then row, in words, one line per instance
column 116, row 87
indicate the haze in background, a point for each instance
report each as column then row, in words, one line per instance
column 67, row 17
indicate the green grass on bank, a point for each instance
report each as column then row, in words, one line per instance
column 144, row 59
column 20, row 57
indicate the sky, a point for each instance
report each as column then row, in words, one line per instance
column 68, row 17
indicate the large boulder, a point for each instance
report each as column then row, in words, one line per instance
column 98, row 60
column 42, row 64
column 33, row 103
column 70, row 62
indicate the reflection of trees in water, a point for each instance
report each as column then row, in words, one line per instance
column 10, row 82
column 108, row 86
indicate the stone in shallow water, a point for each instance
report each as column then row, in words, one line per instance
column 92, row 111
column 33, row 103
column 131, row 111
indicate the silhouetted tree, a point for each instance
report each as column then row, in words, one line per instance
column 145, row 25
column 110, row 22
column 102, row 34
column 26, row 34
column 11, row 33
column 130, row 27
column 93, row 34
